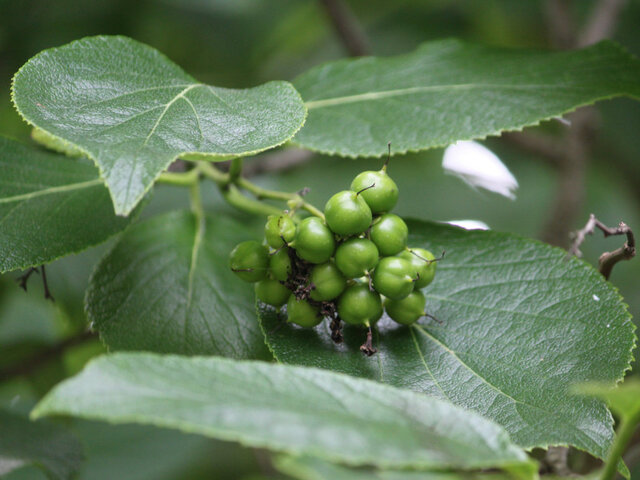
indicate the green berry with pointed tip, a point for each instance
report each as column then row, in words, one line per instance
column 314, row 241
column 347, row 213
column 327, row 282
column 408, row 310
column 250, row 261
column 280, row 265
column 356, row 257
column 359, row 306
column 393, row 277
column 423, row 263
column 302, row 313
column 272, row 292
column 383, row 196
column 277, row 228
column 390, row 234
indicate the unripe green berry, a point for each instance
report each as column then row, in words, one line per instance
column 347, row 213
column 380, row 198
column 302, row 313
column 250, row 261
column 359, row 306
column 328, row 283
column 407, row 310
column 422, row 261
column 277, row 228
column 280, row 265
column 393, row 277
column 314, row 241
column 390, row 234
column 356, row 256
column 272, row 292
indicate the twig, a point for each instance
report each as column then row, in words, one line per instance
column 562, row 30
column 23, row 279
column 545, row 146
column 608, row 259
column 28, row 366
column 277, row 162
column 346, row 26
column 602, row 22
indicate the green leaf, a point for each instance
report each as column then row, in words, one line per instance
column 166, row 287
column 50, row 448
column 519, row 323
column 310, row 468
column 50, row 206
column 450, row 90
column 283, row 408
column 133, row 111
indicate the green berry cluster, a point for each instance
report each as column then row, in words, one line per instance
column 341, row 267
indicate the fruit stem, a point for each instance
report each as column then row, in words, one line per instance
column 184, row 179
column 230, row 183
column 625, row 432
column 196, row 200
column 384, row 167
column 365, row 189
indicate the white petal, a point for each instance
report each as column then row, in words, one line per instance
column 479, row 167
column 469, row 224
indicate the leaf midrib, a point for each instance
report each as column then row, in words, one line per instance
column 52, row 191
column 361, row 97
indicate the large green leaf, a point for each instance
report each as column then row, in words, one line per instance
column 51, row 448
column 283, row 408
column 520, row 322
column 166, row 287
column 133, row 111
column 50, row 206
column 449, row 90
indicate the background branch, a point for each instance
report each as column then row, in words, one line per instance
column 28, row 366
column 347, row 27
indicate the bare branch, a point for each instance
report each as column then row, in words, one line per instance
column 277, row 162
column 28, row 366
column 562, row 29
column 346, row 26
column 546, row 147
column 602, row 22
column 607, row 260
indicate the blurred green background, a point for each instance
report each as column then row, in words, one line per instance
column 241, row 43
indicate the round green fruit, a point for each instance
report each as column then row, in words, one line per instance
column 279, row 230
column 380, row 198
column 422, row 261
column 356, row 257
column 302, row 313
column 407, row 310
column 280, row 265
column 328, row 283
column 272, row 292
column 250, row 261
column 347, row 213
column 314, row 241
column 393, row 277
column 390, row 234
column 359, row 306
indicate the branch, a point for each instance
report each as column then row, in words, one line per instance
column 28, row 366
column 346, row 26
column 562, row 30
column 545, row 146
column 278, row 161
column 602, row 22
column 607, row 260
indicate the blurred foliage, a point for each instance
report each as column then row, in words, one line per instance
column 241, row 43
